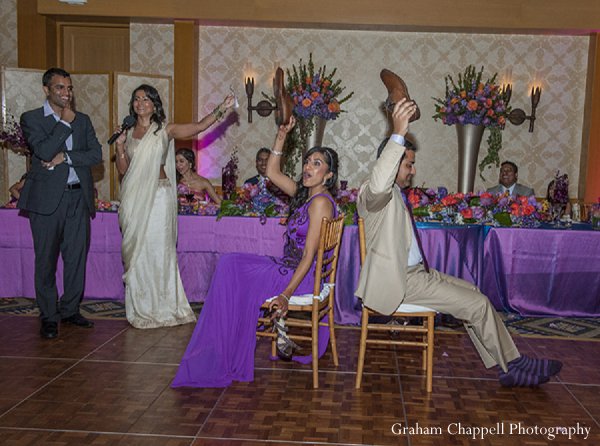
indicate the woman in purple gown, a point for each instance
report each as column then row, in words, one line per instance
column 222, row 346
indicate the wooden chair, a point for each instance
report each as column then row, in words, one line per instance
column 405, row 311
column 318, row 304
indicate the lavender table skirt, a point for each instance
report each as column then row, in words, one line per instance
column 201, row 241
column 543, row 271
column 530, row 271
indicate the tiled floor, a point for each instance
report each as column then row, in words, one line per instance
column 110, row 386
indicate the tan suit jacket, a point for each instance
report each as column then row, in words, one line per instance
column 388, row 228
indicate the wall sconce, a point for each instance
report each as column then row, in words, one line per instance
column 263, row 108
column 518, row 116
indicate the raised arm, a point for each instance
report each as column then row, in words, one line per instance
column 319, row 208
column 378, row 190
column 274, row 173
column 186, row 131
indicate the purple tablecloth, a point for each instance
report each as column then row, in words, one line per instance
column 543, row 271
column 201, row 241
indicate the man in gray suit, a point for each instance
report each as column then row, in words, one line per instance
column 59, row 198
column 395, row 270
column 509, row 173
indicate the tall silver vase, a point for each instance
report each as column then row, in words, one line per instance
column 469, row 140
column 315, row 137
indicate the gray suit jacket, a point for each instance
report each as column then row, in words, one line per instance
column 388, row 230
column 518, row 190
column 46, row 137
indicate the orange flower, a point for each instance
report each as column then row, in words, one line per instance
column 472, row 105
column 315, row 94
column 463, row 94
column 306, row 102
column 326, row 83
column 333, row 107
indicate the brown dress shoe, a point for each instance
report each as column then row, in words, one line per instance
column 283, row 100
column 397, row 90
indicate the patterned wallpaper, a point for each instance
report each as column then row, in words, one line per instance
column 228, row 54
column 21, row 91
column 91, row 92
column 8, row 33
column 151, row 49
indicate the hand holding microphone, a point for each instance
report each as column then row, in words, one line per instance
column 128, row 122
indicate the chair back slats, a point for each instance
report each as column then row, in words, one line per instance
column 328, row 252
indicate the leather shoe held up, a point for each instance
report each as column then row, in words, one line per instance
column 283, row 100
column 397, row 90
column 78, row 320
column 49, row 330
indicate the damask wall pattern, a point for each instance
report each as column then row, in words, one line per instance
column 228, row 54
column 21, row 91
column 8, row 33
column 151, row 48
column 91, row 93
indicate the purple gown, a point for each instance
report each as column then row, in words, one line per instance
column 222, row 346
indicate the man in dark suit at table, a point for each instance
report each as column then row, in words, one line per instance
column 262, row 156
column 59, row 198
column 509, row 173
column 395, row 270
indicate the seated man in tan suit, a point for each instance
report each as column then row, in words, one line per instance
column 395, row 270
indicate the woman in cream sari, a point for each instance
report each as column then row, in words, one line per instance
column 154, row 294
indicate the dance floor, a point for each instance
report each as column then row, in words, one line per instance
column 110, row 386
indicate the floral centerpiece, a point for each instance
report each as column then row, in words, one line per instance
column 11, row 136
column 254, row 200
column 316, row 94
column 558, row 195
column 471, row 208
column 346, row 201
column 229, row 175
column 473, row 101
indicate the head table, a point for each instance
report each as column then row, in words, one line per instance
column 530, row 271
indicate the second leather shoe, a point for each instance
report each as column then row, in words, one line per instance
column 79, row 320
column 397, row 90
column 283, row 100
column 49, row 330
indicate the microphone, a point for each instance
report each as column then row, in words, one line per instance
column 128, row 122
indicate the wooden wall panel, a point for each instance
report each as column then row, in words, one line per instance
column 87, row 47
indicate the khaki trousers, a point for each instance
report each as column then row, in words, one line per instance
column 464, row 301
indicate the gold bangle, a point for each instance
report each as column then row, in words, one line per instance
column 285, row 297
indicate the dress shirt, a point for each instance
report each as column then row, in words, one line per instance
column 73, row 178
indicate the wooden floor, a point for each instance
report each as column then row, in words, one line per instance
column 110, row 386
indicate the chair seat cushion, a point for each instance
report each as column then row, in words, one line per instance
column 306, row 299
column 411, row 308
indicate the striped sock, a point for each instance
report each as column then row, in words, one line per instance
column 542, row 367
column 520, row 378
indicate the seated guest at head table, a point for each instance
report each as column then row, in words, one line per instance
column 188, row 181
column 262, row 157
column 15, row 192
column 509, row 173
column 222, row 346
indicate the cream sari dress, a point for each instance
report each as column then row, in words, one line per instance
column 154, row 294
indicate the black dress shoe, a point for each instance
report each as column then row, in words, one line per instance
column 79, row 320
column 49, row 330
